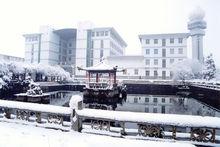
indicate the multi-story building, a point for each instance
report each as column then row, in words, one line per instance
column 95, row 44
column 53, row 47
column 161, row 51
column 72, row 47
column 11, row 58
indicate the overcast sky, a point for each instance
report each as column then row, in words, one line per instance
column 129, row 17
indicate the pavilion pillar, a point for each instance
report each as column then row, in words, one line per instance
column 114, row 74
column 97, row 78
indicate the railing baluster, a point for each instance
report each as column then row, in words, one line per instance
column 174, row 132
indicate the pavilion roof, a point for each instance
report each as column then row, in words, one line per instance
column 100, row 67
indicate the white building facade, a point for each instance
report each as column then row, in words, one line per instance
column 70, row 47
column 53, row 47
column 133, row 66
column 160, row 52
column 95, row 44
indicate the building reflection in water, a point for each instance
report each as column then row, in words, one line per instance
column 166, row 104
column 145, row 103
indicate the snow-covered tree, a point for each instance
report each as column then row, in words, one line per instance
column 186, row 70
column 209, row 69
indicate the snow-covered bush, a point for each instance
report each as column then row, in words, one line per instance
column 209, row 69
column 186, row 70
column 34, row 89
column 21, row 68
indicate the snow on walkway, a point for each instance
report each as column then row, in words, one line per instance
column 17, row 135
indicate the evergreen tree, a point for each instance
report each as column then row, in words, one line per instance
column 209, row 68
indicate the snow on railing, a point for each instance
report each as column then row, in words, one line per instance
column 44, row 115
column 169, row 126
column 178, row 127
column 210, row 85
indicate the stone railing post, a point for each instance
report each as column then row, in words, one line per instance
column 75, row 104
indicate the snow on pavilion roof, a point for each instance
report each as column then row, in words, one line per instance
column 102, row 66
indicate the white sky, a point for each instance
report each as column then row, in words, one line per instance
column 129, row 17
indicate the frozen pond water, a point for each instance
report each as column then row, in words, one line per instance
column 168, row 104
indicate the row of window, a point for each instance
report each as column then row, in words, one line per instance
column 171, row 40
column 156, row 51
column 147, row 73
column 64, row 58
column 155, row 100
column 30, row 39
column 100, row 33
column 155, row 61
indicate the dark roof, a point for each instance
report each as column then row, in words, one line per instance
column 66, row 33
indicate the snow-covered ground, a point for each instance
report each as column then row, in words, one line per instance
column 17, row 135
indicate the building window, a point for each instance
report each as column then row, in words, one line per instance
column 163, row 110
column 171, row 74
column 91, row 53
column 171, row 61
column 32, row 48
column 65, row 51
column 163, row 74
column 155, row 41
column 106, row 33
column 163, row 42
column 97, row 33
column 102, row 33
column 135, row 100
column 147, row 41
column 136, row 71
column 180, row 59
column 155, row 74
column 147, row 51
column 180, row 50
column 180, row 40
column 147, row 73
column 70, row 51
column 70, row 44
column 69, row 58
column 163, row 52
column 146, row 109
column 102, row 45
column 155, row 100
column 155, row 61
column 164, row 63
column 92, row 44
column 146, row 100
column 154, row 110
column 172, row 51
column 93, row 34
column 155, row 51
column 147, row 61
column 171, row 40
column 163, row 100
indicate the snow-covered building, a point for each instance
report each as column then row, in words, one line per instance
column 11, row 58
column 161, row 51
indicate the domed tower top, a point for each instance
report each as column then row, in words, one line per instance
column 197, row 14
column 196, row 24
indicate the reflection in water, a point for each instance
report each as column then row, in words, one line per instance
column 61, row 98
column 146, row 103
column 166, row 104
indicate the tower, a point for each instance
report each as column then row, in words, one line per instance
column 196, row 25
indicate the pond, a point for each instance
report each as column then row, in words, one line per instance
column 169, row 104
